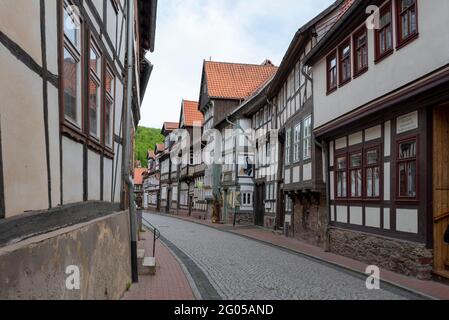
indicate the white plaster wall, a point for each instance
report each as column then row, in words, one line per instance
column 72, row 159
column 420, row 57
column 51, row 30
column 53, row 134
column 387, row 218
column 407, row 220
column 387, row 181
column 22, row 128
column 356, row 138
column 107, row 184
column 93, row 170
column 387, row 142
column 356, row 215
column 20, row 21
column 307, row 172
column 342, row 214
column 373, row 133
column 372, row 217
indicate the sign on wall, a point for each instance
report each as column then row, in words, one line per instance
column 407, row 122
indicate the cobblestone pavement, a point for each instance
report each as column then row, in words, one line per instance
column 239, row 268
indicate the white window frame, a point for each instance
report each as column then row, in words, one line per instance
column 288, row 142
column 307, row 139
column 297, row 143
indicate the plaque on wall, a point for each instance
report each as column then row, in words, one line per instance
column 407, row 122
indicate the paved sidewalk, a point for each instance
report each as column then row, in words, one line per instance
column 429, row 289
column 170, row 281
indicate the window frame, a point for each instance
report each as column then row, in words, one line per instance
column 400, row 141
column 112, row 98
column 98, row 79
column 400, row 41
column 351, row 169
column 288, row 146
column 337, row 170
column 333, row 55
column 75, row 128
column 366, row 166
column 297, row 142
column 342, row 59
column 307, row 152
column 358, row 71
column 378, row 55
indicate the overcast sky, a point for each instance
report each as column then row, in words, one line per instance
column 189, row 31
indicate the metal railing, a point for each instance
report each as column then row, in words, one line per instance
column 154, row 230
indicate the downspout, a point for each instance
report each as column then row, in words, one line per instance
column 127, row 140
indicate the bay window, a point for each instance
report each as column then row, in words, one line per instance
column 345, row 62
column 407, row 169
column 384, row 36
column 407, row 21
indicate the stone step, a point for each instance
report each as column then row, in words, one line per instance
column 148, row 266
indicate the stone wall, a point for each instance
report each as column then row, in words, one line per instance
column 35, row 268
column 408, row 258
column 310, row 222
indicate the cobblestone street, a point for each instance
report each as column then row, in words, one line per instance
column 234, row 267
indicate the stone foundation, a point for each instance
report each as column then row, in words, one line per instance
column 408, row 258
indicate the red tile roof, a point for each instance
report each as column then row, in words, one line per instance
column 191, row 113
column 138, row 175
column 160, row 147
column 171, row 126
column 236, row 81
column 151, row 154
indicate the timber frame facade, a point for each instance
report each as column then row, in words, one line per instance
column 69, row 78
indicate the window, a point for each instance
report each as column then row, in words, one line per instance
column 307, row 140
column 332, row 72
column 247, row 199
column 268, row 152
column 384, row 36
column 342, row 177
column 407, row 169
column 296, row 143
column 355, row 174
column 345, row 62
column 72, row 74
column 288, row 145
column 372, row 173
column 94, row 91
column 360, row 51
column 109, row 108
column 407, row 20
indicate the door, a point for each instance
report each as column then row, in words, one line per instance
column 168, row 201
column 441, row 188
column 190, row 205
column 259, row 208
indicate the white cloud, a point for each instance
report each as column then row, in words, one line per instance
column 189, row 31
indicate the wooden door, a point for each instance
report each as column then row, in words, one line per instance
column 259, row 205
column 441, row 188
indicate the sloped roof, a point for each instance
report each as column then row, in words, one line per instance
column 160, row 147
column 138, row 175
column 171, row 125
column 236, row 81
column 191, row 113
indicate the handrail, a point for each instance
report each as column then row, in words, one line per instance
column 155, row 231
column 443, row 216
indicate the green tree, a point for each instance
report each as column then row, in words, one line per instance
column 146, row 138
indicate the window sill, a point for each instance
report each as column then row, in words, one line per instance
column 360, row 72
column 344, row 82
column 382, row 57
column 406, row 41
column 330, row 91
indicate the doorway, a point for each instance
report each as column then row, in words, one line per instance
column 441, row 189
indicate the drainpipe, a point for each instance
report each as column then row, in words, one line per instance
column 127, row 140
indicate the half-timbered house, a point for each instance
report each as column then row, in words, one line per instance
column 300, row 189
column 381, row 112
column 223, row 88
column 169, row 173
